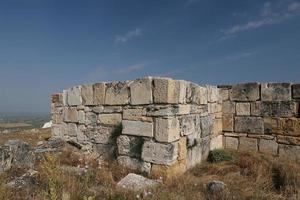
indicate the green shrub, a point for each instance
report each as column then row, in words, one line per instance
column 219, row 155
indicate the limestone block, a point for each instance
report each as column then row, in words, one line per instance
column 58, row 130
column 141, row 91
column 137, row 128
column 81, row 117
column 187, row 125
column 70, row 115
column 169, row 91
column 180, row 87
column 276, row 92
column 224, row 94
column 90, row 119
column 253, row 125
column 194, row 156
column 290, row 152
column 65, row 97
column 134, row 164
column 245, row 92
column 57, row 118
column 288, row 140
column 157, row 153
column 107, row 109
column 74, row 96
column 57, row 99
column 296, row 91
column 206, row 126
column 81, row 137
column 255, row 108
column 136, row 114
column 71, row 129
column 268, row 146
column 110, row 119
column 228, row 107
column 130, row 146
column 214, row 108
column 167, row 129
column 197, row 94
column 231, row 143
column 248, row 144
column 101, row 134
column 182, row 149
column 205, row 145
column 117, row 93
column 216, row 142
column 243, row 109
column 282, row 126
column 227, row 122
column 217, row 127
column 87, row 94
column 279, row 109
column 156, row 111
column 213, row 94
column 99, row 93
column 199, row 109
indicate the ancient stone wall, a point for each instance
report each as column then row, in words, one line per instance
column 262, row 117
column 150, row 124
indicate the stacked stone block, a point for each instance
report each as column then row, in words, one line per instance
column 262, row 117
column 149, row 124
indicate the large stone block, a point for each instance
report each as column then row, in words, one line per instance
column 199, row 109
column 224, row 94
column 248, row 144
column 117, row 93
column 253, row 125
column 245, row 92
column 255, row 108
column 165, row 111
column 290, row 152
column 282, row 126
column 137, row 128
column 65, row 97
column 87, row 94
column 216, row 142
column 72, row 129
column 70, row 114
column 214, row 108
column 288, row 140
column 276, row 92
column 74, row 96
column 268, row 146
column 217, row 127
column 157, row 153
column 296, row 91
column 99, row 93
column 228, row 107
column 81, row 117
column 110, row 119
column 279, row 109
column 130, row 146
column 228, row 122
column 194, row 156
column 101, row 135
column 81, row 137
column 197, row 94
column 134, row 164
column 243, row 109
column 167, row 129
column 141, row 91
column 187, row 124
column 57, row 99
column 107, row 109
column 231, row 143
column 206, row 126
column 136, row 114
column 90, row 119
column 213, row 94
column 168, row 91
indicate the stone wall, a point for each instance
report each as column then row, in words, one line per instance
column 262, row 117
column 149, row 124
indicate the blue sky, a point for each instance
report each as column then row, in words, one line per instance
column 49, row 45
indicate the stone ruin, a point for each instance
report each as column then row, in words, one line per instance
column 153, row 124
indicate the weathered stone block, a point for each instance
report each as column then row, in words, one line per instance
column 157, row 153
column 216, row 142
column 87, row 94
column 65, row 97
column 167, row 129
column 134, row 164
column 101, row 134
column 255, row 108
column 71, row 129
column 57, row 99
column 282, row 126
column 214, row 108
column 136, row 114
column 227, row 122
column 245, row 92
column 137, row 128
column 110, row 119
column 231, row 143
column 289, row 151
column 107, row 109
column 187, row 125
column 268, row 146
column 279, row 109
column 213, row 94
column 296, row 91
column 117, row 93
column 276, row 92
column 165, row 111
column 206, row 126
column 74, row 96
column 243, row 109
column 288, row 140
column 57, row 118
column 90, row 119
column 228, row 107
column 182, row 149
column 199, row 109
column 205, row 145
column 253, row 125
column 217, row 127
column 197, row 94
column 194, row 156
column 224, row 94
column 248, row 144
column 130, row 146
column 81, row 137
column 70, row 115
column 99, row 93
column 81, row 116
column 141, row 91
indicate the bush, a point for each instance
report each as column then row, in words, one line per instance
column 219, row 155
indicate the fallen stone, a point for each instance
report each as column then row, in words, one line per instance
column 136, row 182
column 27, row 180
column 215, row 187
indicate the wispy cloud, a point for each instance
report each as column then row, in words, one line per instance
column 270, row 14
column 129, row 69
column 129, row 35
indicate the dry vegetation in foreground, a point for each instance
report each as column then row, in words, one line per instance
column 247, row 176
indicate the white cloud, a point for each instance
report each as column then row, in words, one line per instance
column 129, row 35
column 269, row 15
